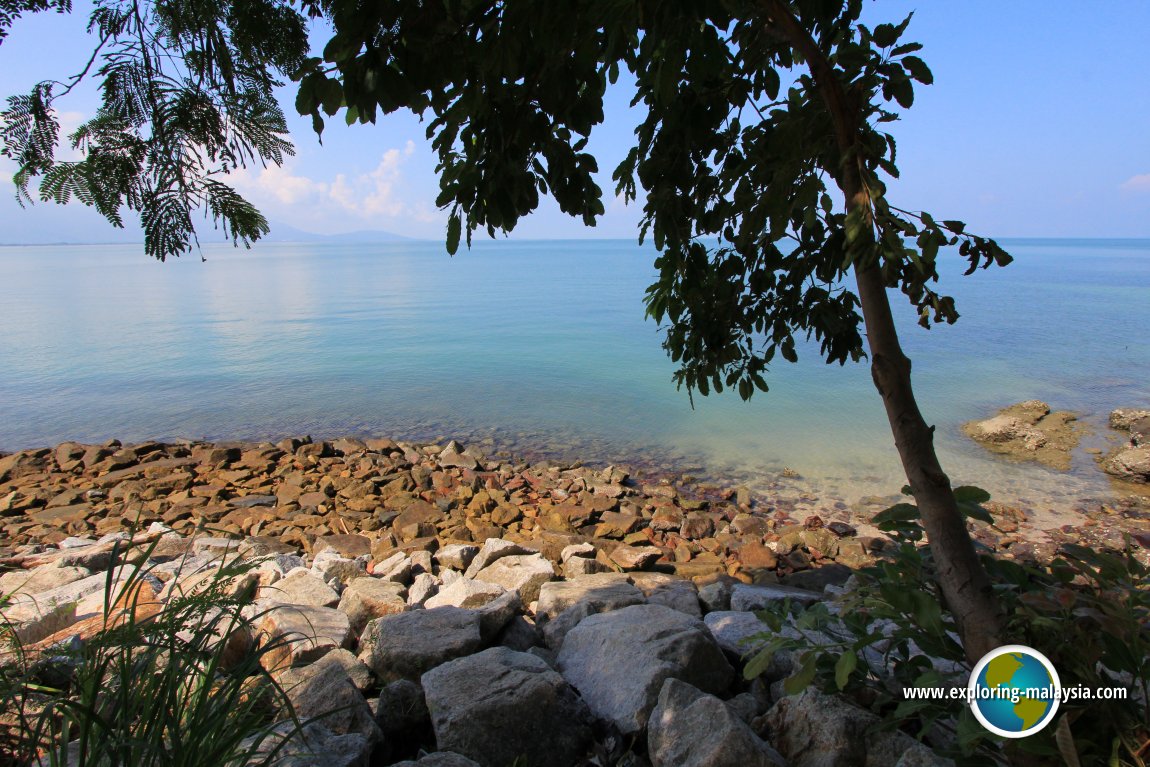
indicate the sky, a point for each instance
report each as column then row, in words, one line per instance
column 1038, row 125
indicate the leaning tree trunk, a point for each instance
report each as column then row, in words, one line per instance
column 961, row 577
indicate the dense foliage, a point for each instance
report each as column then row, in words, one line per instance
column 1087, row 611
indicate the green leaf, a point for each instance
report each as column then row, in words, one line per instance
column 903, row 92
column 802, row 678
column 844, row 667
column 454, row 230
column 900, row 512
column 885, row 35
column 970, row 494
column 918, row 69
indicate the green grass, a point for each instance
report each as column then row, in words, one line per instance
column 150, row 689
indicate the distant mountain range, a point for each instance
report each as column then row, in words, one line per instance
column 63, row 233
column 281, row 232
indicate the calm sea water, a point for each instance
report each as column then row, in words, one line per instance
column 540, row 346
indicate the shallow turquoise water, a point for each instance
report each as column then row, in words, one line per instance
column 539, row 345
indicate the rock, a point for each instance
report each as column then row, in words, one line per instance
column 365, row 599
column 454, row 456
column 669, row 591
column 497, row 613
column 522, row 573
column 635, row 557
column 689, row 728
column 301, row 634
column 396, row 568
column 500, row 707
column 613, row 590
column 40, row 579
column 756, row 556
column 563, row 605
column 249, row 501
column 493, row 549
column 716, row 595
column 816, row 730
column 301, row 588
column 619, row 660
column 519, row 634
column 401, row 714
column 324, row 689
column 1029, row 431
column 575, row 567
column 467, row 594
column 406, row 645
column 359, row 674
column 456, row 555
column 1124, row 418
column 1129, row 463
column 750, row 598
column 741, row 634
column 314, row 745
column 424, row 587
column 439, row 759
column 347, row 546
column 581, row 550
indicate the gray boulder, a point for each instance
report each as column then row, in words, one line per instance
column 564, row 604
column 500, row 706
column 324, row 689
column 816, row 730
column 748, row 598
column 466, row 593
column 492, row 550
column 405, row 645
column 521, row 573
column 689, row 728
column 314, row 744
column 438, row 759
column 367, row 598
column 618, row 661
column 669, row 591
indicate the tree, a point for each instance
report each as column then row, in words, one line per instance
column 759, row 114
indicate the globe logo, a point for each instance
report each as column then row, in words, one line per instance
column 1014, row 691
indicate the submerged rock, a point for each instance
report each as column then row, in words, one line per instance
column 1029, row 431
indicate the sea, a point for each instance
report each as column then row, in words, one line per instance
column 542, row 349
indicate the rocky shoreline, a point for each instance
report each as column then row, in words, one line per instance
column 462, row 610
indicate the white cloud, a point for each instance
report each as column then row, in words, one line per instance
column 1140, row 183
column 353, row 199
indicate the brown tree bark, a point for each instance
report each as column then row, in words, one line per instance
column 961, row 577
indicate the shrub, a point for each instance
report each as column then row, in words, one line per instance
column 1087, row 611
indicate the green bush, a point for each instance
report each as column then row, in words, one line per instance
column 1087, row 611
column 157, row 689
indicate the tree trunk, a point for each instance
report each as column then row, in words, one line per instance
column 961, row 577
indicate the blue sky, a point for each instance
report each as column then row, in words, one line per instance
column 1038, row 125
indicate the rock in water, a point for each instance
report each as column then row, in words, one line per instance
column 619, row 660
column 689, row 728
column 502, row 707
column 1129, row 463
column 1029, row 431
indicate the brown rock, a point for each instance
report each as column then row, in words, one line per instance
column 635, row 557
column 756, row 556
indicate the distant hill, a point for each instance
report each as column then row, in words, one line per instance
column 282, row 232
